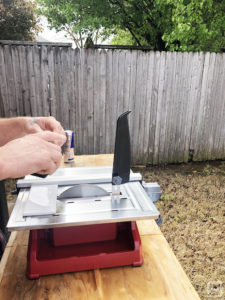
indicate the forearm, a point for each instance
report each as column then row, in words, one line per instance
column 3, row 169
column 11, row 129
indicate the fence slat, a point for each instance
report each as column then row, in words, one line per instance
column 3, row 85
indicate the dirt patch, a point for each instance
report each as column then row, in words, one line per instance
column 193, row 209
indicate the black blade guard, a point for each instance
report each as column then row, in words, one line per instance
column 122, row 152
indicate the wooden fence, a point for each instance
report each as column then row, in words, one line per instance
column 177, row 99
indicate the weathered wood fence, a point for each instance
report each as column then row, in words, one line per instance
column 177, row 99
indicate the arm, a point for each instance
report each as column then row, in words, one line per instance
column 10, row 129
column 13, row 128
column 33, row 153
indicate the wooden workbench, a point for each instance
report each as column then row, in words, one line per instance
column 160, row 277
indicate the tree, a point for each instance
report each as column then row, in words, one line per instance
column 78, row 18
column 186, row 25
column 196, row 26
column 18, row 20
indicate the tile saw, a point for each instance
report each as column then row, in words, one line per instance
column 84, row 218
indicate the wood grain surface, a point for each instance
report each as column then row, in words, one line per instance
column 160, row 277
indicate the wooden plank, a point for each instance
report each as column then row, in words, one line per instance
column 154, row 102
column 3, row 86
column 212, row 104
column 120, row 85
column 169, row 79
column 142, row 107
column 146, row 227
column 114, row 102
column 161, row 58
column 177, row 109
column 137, row 103
column 157, row 278
column 27, row 43
column 147, row 143
column 196, row 83
column 208, row 107
column 201, row 109
column 83, row 101
column 182, row 117
column 102, row 96
column 71, row 95
column 10, row 80
column 97, row 88
column 132, row 100
column 44, row 81
column 25, row 80
column 171, row 96
column 64, row 77
column 90, row 101
column 57, row 86
column 77, row 92
column 174, row 126
column 17, row 78
column 31, row 77
column 109, row 103
column 165, row 109
column 52, row 88
column 219, row 132
column 191, row 100
column 127, row 79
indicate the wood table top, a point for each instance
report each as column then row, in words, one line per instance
column 160, row 277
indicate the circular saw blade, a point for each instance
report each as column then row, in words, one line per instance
column 83, row 191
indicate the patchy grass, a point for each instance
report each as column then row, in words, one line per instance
column 193, row 209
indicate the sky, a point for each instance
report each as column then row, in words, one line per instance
column 50, row 34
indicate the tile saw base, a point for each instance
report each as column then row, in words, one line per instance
column 48, row 253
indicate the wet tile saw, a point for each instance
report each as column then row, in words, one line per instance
column 84, row 218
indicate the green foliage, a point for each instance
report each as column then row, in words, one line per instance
column 122, row 37
column 207, row 170
column 196, row 26
column 80, row 19
column 18, row 21
column 185, row 25
column 166, row 197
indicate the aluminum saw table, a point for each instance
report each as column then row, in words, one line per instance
column 160, row 277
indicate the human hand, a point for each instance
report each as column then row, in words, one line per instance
column 33, row 125
column 33, row 153
column 14, row 128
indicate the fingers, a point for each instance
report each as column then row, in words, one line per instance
column 51, row 124
column 38, row 124
column 51, row 161
column 52, row 137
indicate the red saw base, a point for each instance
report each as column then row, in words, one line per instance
column 50, row 253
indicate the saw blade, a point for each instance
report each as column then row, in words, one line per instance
column 83, row 191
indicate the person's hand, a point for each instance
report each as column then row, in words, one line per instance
column 33, row 153
column 33, row 125
column 14, row 128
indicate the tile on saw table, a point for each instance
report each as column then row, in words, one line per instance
column 41, row 200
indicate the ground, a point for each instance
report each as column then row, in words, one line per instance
column 193, row 209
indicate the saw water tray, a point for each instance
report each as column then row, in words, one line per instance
column 49, row 253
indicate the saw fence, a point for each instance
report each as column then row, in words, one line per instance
column 177, row 99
